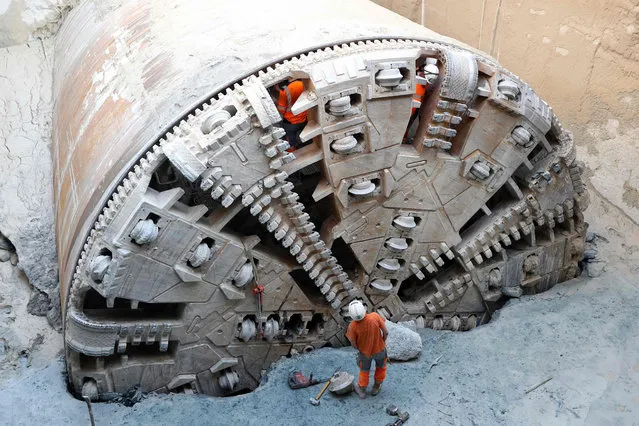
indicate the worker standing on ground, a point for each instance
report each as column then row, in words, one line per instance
column 292, row 124
column 367, row 333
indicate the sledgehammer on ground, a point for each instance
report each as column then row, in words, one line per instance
column 316, row 400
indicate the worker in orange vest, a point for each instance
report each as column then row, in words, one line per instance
column 420, row 91
column 292, row 124
column 428, row 72
column 367, row 333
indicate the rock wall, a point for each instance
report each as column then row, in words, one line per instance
column 27, row 30
column 22, row 21
column 582, row 56
column 28, row 265
column 29, row 274
column 26, row 200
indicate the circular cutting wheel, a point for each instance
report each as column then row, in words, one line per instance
column 197, row 257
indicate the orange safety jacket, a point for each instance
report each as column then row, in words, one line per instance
column 287, row 98
column 420, row 91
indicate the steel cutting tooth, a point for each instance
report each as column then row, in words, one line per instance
column 515, row 233
column 295, row 209
column 290, row 198
column 417, row 271
column 281, row 231
column 281, row 176
column 505, row 239
column 256, row 208
column 311, row 262
column 231, row 194
column 271, row 152
column 446, row 250
column 289, row 238
column 217, row 191
column 296, row 247
column 337, row 269
column 285, row 187
column 303, row 254
column 251, row 194
column 342, row 276
column 266, row 215
column 315, row 271
column 306, row 228
column 434, row 254
column 324, row 253
column 282, row 146
column 301, row 219
column 322, row 277
column 210, row 177
column 311, row 238
column 347, row 284
column 273, row 223
column 269, row 181
column 278, row 133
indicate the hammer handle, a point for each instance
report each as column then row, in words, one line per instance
column 319, row 395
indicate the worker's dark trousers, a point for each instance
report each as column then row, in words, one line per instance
column 293, row 132
column 365, row 363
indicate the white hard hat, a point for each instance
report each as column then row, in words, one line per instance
column 356, row 310
column 431, row 69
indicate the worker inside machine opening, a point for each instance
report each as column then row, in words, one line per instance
column 427, row 75
column 367, row 333
column 286, row 94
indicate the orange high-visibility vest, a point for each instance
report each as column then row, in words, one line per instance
column 420, row 91
column 287, row 98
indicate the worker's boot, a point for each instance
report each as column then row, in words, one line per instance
column 376, row 388
column 359, row 391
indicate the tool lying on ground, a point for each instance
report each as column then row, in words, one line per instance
column 402, row 416
column 341, row 383
column 296, row 380
column 316, row 399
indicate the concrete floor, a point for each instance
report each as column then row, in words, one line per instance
column 583, row 334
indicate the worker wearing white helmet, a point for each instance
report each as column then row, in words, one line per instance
column 429, row 72
column 427, row 75
column 367, row 333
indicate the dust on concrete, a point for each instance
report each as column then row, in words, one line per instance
column 582, row 334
